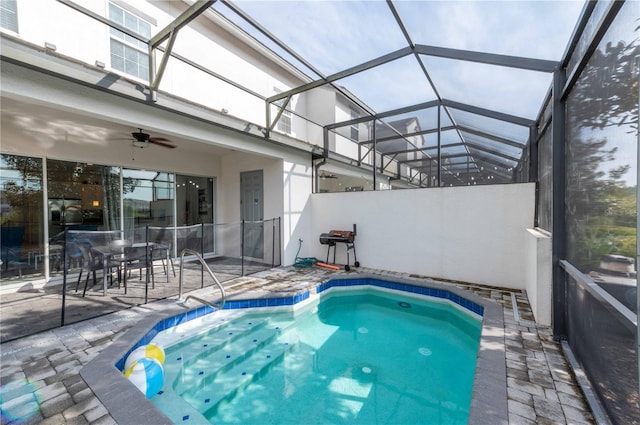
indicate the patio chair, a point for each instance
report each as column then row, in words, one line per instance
column 162, row 252
column 138, row 257
column 91, row 263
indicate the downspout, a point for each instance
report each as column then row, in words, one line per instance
column 316, row 174
column 316, row 167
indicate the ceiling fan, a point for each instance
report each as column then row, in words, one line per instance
column 142, row 140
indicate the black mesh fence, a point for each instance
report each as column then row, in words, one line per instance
column 246, row 247
column 106, row 271
column 604, row 342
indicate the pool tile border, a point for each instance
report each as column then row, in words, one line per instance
column 128, row 405
column 446, row 294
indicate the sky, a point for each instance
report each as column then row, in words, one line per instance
column 336, row 35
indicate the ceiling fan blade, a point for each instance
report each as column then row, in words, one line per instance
column 161, row 141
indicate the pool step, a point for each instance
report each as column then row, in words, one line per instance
column 227, row 383
column 216, row 357
column 176, row 409
column 185, row 361
column 210, row 361
column 211, row 341
column 181, row 356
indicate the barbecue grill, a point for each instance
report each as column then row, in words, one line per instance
column 346, row 237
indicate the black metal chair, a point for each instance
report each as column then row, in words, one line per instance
column 92, row 262
column 138, row 257
column 162, row 252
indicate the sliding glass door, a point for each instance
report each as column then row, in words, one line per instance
column 21, row 218
column 195, row 197
column 148, row 199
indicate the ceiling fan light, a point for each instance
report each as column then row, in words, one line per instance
column 140, row 143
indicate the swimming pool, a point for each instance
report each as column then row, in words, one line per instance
column 126, row 403
column 359, row 356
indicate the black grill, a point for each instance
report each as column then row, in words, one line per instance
column 346, row 237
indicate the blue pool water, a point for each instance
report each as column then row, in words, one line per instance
column 361, row 356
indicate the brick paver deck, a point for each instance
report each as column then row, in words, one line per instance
column 40, row 373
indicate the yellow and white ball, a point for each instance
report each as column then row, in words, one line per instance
column 147, row 374
column 151, row 351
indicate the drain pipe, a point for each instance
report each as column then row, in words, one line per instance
column 316, row 173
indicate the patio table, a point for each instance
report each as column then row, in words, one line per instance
column 113, row 250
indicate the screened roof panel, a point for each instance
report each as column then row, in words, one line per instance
column 452, row 150
column 492, row 145
column 448, row 137
column 496, row 161
column 420, row 163
column 390, row 86
column 492, row 126
column 359, row 47
column 504, row 27
column 394, row 145
column 333, row 36
column 509, row 90
column 225, row 11
column 427, row 118
column 430, row 139
column 458, row 160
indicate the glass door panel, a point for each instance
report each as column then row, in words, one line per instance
column 148, row 198
column 195, row 204
column 21, row 217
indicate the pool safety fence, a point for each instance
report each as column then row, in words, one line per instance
column 101, row 272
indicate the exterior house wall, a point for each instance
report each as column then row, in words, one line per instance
column 343, row 143
column 227, row 54
column 296, row 218
column 320, row 110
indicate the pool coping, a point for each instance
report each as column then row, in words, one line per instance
column 127, row 404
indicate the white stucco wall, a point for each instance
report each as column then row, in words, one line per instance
column 538, row 274
column 472, row 234
column 296, row 218
column 287, row 188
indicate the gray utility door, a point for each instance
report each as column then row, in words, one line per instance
column 252, row 210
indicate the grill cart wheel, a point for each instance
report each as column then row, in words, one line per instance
column 347, row 268
column 357, row 264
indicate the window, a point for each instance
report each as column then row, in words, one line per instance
column 128, row 54
column 284, row 123
column 9, row 15
column 355, row 129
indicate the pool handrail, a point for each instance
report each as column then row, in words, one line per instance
column 213, row 276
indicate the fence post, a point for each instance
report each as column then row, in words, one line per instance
column 202, row 254
column 279, row 241
column 273, row 242
column 147, row 260
column 242, row 249
column 64, row 278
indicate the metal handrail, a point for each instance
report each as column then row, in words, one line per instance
column 215, row 279
column 624, row 314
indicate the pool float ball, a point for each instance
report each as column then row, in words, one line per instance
column 151, row 351
column 146, row 374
